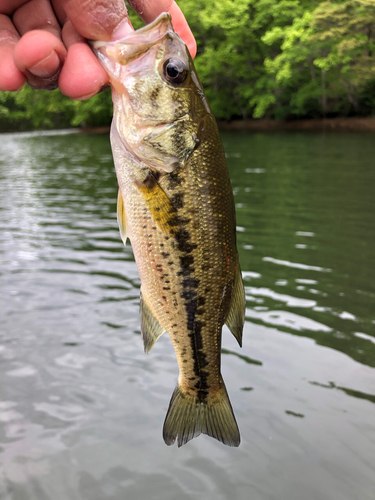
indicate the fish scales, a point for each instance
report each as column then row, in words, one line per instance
column 176, row 207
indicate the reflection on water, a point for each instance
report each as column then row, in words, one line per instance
column 245, row 358
column 349, row 392
column 82, row 406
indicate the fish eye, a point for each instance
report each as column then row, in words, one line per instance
column 175, row 70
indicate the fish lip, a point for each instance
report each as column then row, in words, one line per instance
column 164, row 19
column 146, row 34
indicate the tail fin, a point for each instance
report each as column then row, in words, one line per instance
column 187, row 417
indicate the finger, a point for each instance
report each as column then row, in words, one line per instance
column 149, row 10
column 40, row 53
column 34, row 15
column 98, row 19
column 59, row 11
column 8, row 7
column 11, row 78
column 82, row 76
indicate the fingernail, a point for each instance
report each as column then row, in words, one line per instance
column 84, row 97
column 123, row 29
column 47, row 67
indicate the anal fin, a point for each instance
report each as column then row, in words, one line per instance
column 236, row 314
column 121, row 219
column 150, row 326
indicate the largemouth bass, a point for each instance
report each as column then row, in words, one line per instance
column 175, row 204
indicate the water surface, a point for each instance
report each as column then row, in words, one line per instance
column 82, row 406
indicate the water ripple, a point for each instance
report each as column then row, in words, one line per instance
column 296, row 265
column 288, row 320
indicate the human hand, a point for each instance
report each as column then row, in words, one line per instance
column 44, row 43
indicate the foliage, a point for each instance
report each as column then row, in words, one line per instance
column 326, row 63
column 38, row 109
column 231, row 51
column 256, row 58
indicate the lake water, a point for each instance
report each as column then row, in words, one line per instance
column 82, row 406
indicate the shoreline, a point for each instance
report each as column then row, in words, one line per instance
column 314, row 124
column 267, row 125
column 342, row 124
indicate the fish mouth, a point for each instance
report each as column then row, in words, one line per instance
column 136, row 43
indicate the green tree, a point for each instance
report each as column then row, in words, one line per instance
column 38, row 109
column 256, row 58
column 326, row 63
column 231, row 51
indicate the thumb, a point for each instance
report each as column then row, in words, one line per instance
column 97, row 19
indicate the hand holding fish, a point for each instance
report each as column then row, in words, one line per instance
column 43, row 42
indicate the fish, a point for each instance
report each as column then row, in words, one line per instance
column 175, row 205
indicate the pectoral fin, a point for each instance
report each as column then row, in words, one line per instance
column 236, row 314
column 121, row 219
column 158, row 204
column 150, row 326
